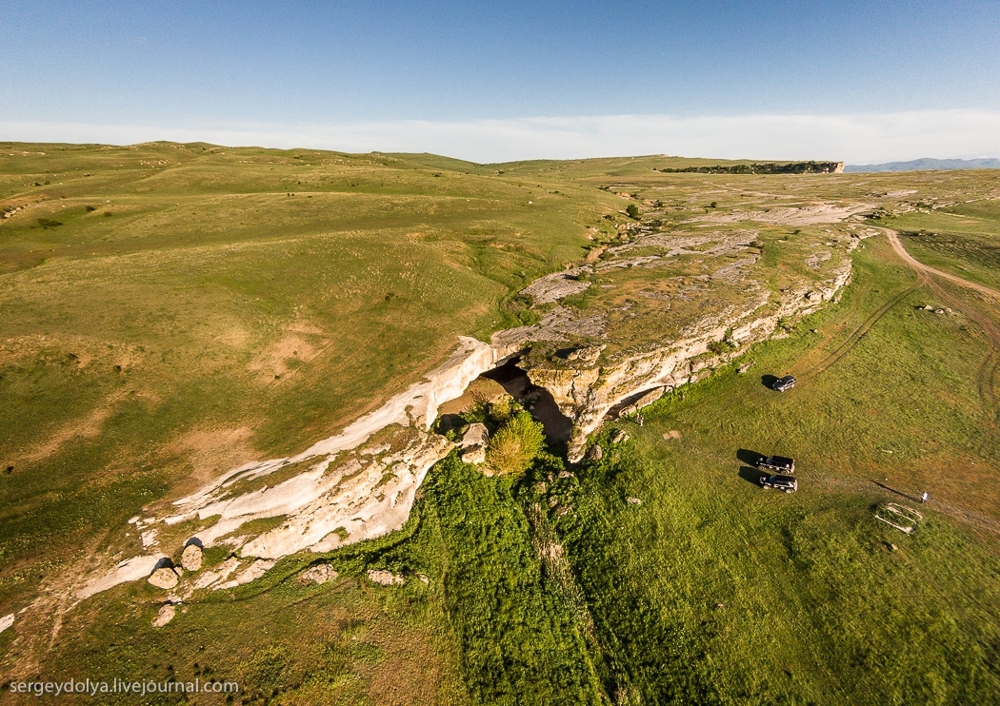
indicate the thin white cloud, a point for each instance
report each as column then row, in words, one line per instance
column 854, row 138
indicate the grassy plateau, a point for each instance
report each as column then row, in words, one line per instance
column 169, row 312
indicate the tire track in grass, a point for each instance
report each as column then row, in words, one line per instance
column 860, row 332
column 986, row 376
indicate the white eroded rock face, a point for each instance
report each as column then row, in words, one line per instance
column 339, row 499
column 251, row 573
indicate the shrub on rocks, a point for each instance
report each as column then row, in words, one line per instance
column 515, row 445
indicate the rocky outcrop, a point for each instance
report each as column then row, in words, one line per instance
column 586, row 394
column 474, row 443
column 251, row 573
column 689, row 301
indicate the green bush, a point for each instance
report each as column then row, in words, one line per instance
column 632, row 210
column 515, row 444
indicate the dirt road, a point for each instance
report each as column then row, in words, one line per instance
column 920, row 267
column 989, row 370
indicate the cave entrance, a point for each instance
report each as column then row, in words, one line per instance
column 509, row 378
column 537, row 400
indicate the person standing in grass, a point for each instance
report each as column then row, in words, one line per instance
column 923, row 498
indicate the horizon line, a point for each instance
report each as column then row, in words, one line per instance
column 859, row 138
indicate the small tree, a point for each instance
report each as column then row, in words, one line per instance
column 515, row 444
column 632, row 210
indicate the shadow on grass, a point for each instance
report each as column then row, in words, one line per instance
column 752, row 475
column 748, row 457
column 768, row 381
column 914, row 498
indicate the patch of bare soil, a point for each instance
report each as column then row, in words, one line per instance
column 273, row 361
column 211, row 451
column 86, row 428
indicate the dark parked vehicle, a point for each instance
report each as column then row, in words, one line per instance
column 785, row 383
column 776, row 463
column 785, row 483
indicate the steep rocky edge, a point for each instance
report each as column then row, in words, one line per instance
column 665, row 310
column 587, row 393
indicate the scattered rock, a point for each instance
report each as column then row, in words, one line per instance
column 474, row 443
column 319, row 574
column 745, row 367
column 633, row 501
column 720, row 606
column 620, row 437
column 596, row 453
column 891, row 547
column 148, row 538
column 384, row 578
column 251, row 573
column 423, row 579
column 224, row 569
column 6, row 621
column 164, row 577
column 565, row 474
column 586, row 355
column 553, row 501
column 673, row 434
column 191, row 558
column 164, row 616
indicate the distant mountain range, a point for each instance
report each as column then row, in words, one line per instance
column 925, row 163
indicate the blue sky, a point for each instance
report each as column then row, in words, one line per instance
column 511, row 79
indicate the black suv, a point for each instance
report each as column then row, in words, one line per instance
column 785, row 383
column 776, row 463
column 785, row 483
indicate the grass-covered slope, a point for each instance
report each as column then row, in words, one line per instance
column 171, row 311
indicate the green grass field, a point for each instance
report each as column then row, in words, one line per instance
column 168, row 312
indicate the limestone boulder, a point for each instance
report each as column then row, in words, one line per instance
column 384, row 578
column 474, row 443
column 191, row 558
column 164, row 577
column 164, row 616
column 319, row 574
